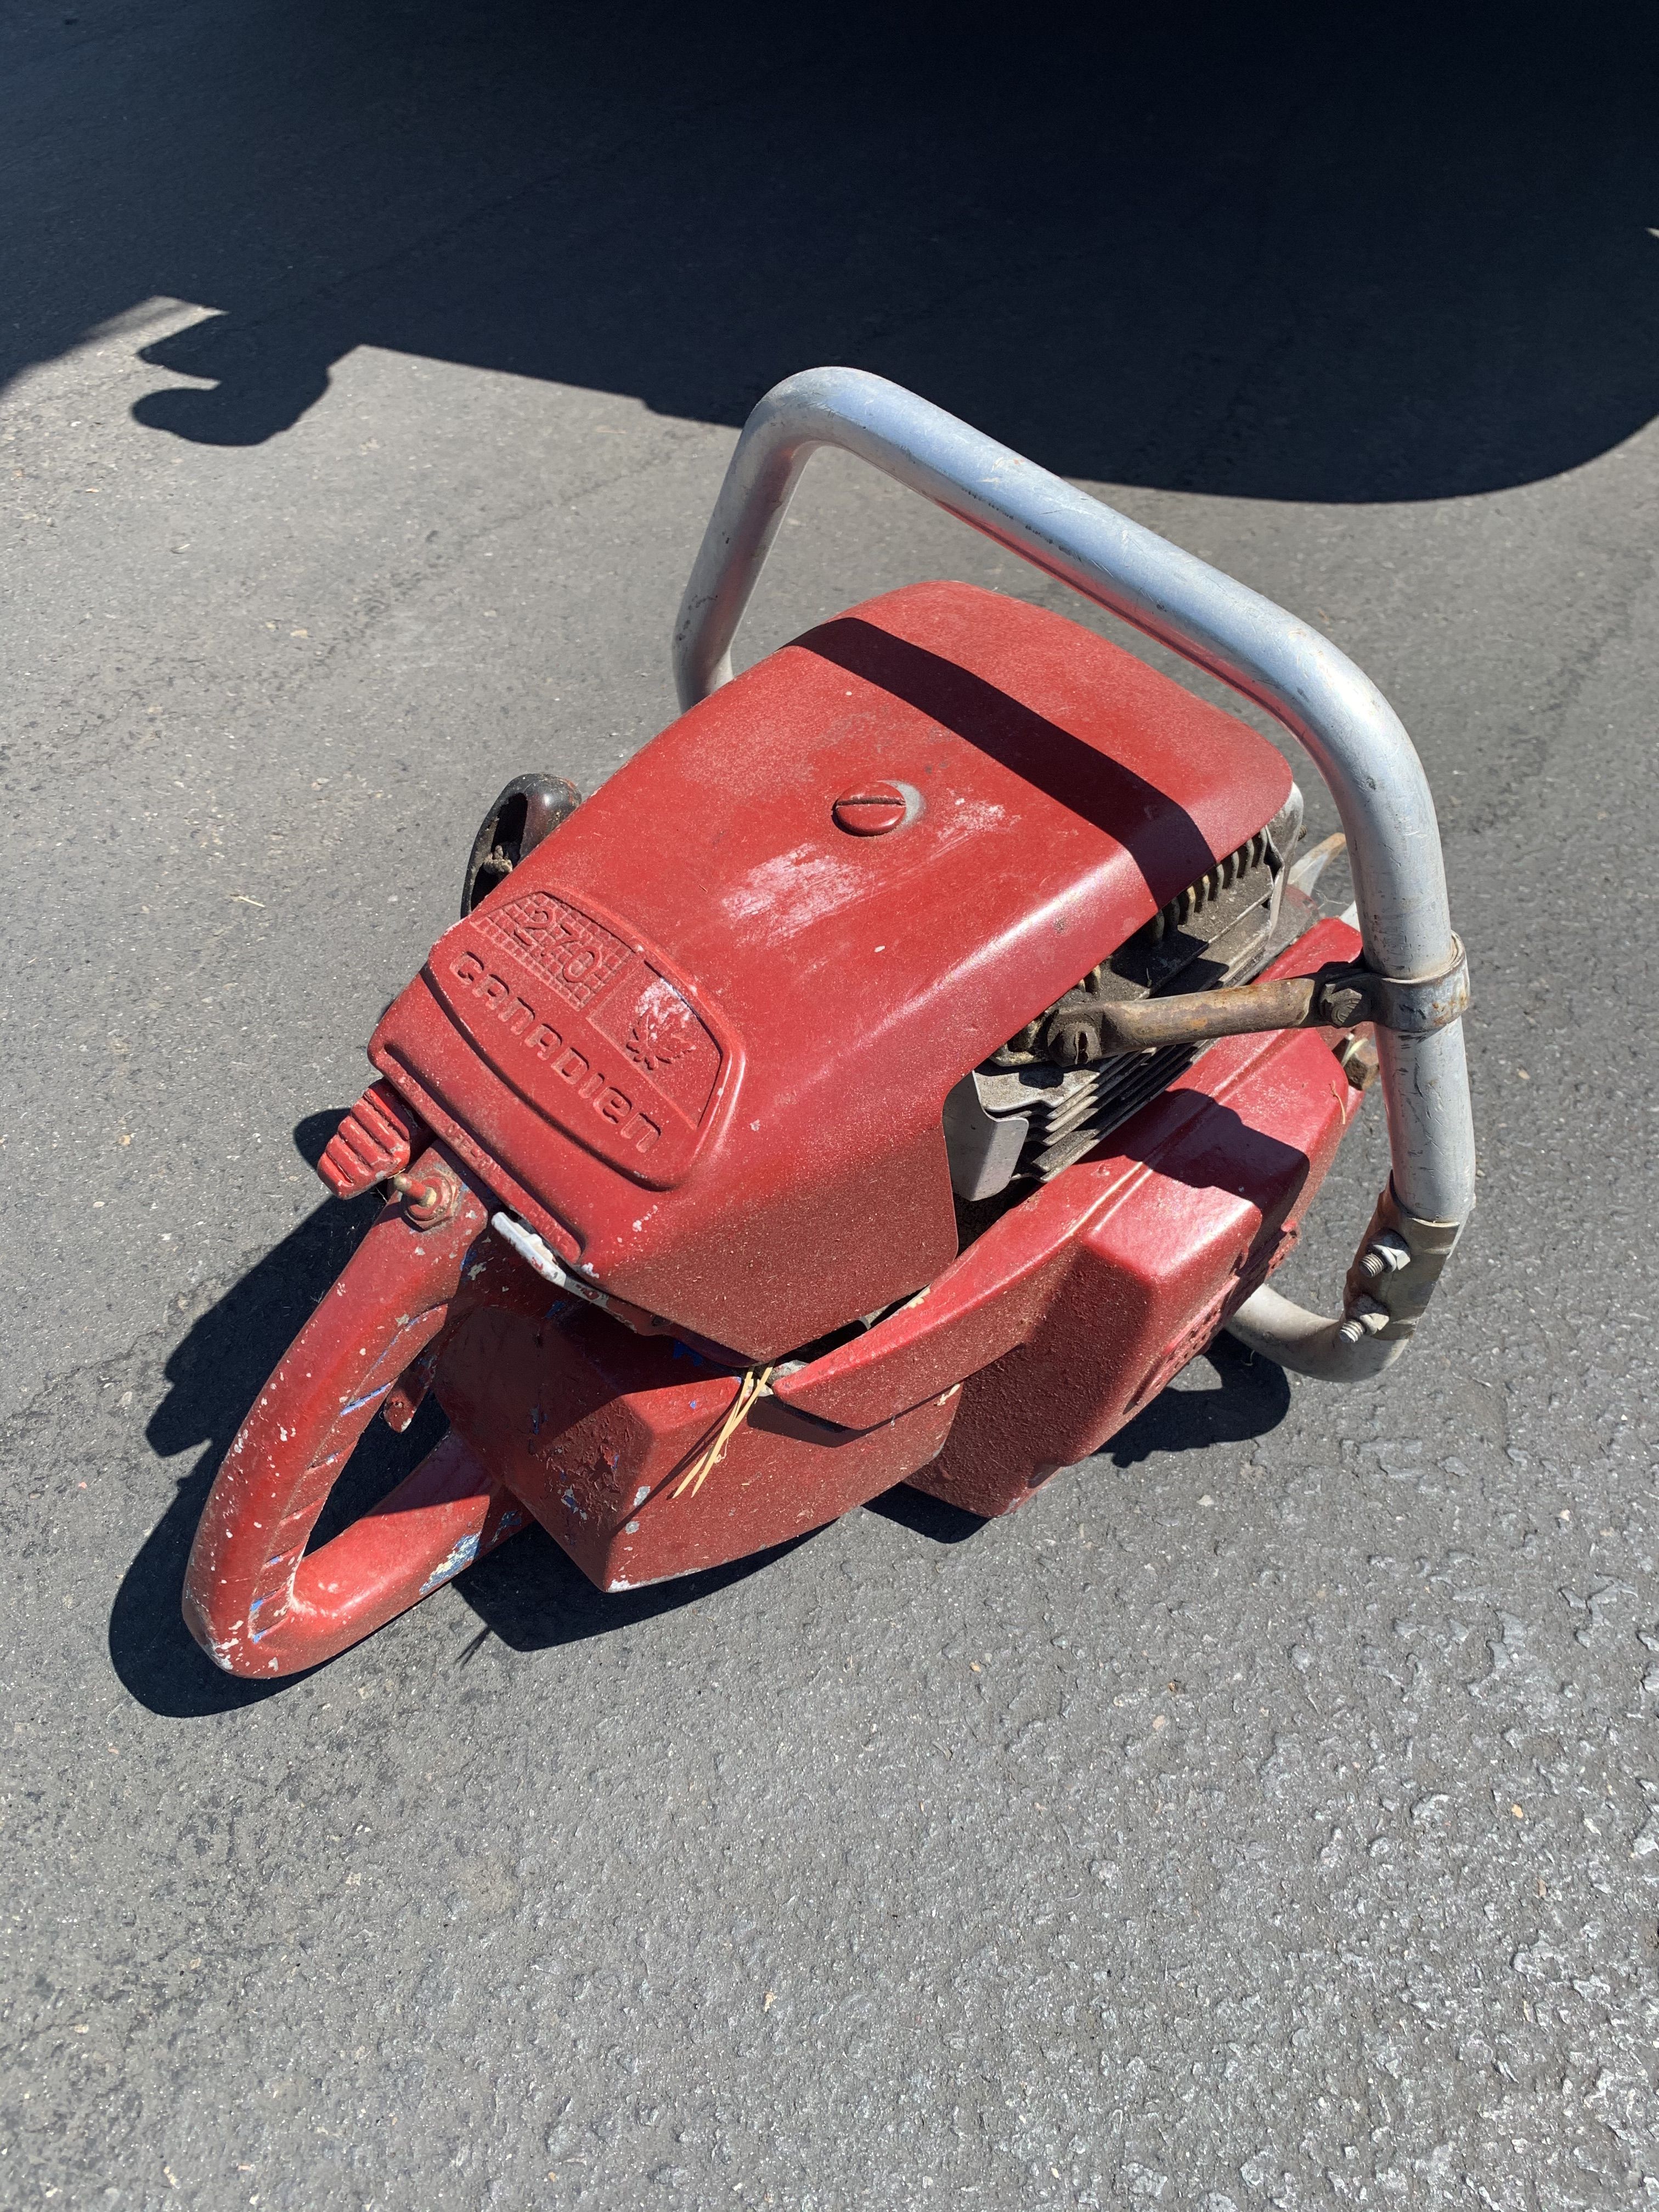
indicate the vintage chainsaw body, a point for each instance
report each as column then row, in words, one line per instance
column 701, row 1236
column 701, row 1037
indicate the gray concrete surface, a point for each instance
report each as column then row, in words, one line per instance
column 1269, row 1814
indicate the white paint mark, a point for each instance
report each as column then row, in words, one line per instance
column 793, row 891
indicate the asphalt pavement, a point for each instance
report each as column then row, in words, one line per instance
column 1268, row 1814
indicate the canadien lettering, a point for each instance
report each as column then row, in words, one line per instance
column 590, row 1085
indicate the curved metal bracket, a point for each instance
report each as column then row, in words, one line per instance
column 1349, row 729
column 1424, row 1003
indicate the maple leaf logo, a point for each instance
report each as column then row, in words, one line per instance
column 660, row 1035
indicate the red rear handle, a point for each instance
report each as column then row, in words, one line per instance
column 255, row 1600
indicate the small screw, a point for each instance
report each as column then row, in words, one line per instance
column 871, row 810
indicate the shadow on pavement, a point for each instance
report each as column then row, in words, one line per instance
column 935, row 1518
column 1248, row 1397
column 532, row 1596
column 1286, row 254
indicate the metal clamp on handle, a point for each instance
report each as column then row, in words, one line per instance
column 1389, row 1286
column 1420, row 1007
column 1352, row 734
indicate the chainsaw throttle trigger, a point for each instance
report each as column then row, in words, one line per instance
column 372, row 1144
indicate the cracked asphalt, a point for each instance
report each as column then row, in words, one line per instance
column 1268, row 1814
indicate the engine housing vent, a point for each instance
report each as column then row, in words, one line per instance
column 1042, row 1101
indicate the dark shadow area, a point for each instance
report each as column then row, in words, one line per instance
column 933, row 1517
column 1161, row 838
column 1191, row 1137
column 529, row 1593
column 1294, row 253
column 1248, row 1397
column 313, row 1132
column 534, row 1597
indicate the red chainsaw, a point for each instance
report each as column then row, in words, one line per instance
column 895, row 1073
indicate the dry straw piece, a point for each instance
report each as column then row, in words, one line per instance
column 757, row 1385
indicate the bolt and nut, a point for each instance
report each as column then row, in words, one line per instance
column 429, row 1198
column 1364, row 1318
column 1387, row 1255
column 1343, row 1004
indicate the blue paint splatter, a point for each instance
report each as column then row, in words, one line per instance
column 463, row 1553
column 367, row 1399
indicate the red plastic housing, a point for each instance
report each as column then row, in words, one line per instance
column 1025, row 1354
column 701, row 1037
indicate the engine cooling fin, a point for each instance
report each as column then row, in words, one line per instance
column 1048, row 1096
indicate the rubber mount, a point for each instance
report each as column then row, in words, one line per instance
column 528, row 810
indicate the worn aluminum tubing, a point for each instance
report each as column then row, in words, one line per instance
column 1353, row 735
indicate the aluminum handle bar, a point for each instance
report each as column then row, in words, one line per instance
column 1351, row 733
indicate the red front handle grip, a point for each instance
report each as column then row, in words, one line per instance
column 255, row 1600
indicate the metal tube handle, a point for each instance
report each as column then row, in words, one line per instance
column 1351, row 733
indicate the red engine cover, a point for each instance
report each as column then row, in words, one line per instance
column 701, row 1037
